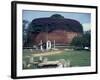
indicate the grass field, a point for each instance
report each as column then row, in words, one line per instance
column 76, row 57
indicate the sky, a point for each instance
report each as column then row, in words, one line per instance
column 83, row 18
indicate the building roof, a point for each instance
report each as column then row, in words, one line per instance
column 56, row 22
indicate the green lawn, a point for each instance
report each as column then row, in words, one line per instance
column 76, row 57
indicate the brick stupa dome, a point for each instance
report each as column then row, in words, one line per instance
column 56, row 27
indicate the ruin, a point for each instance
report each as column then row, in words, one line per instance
column 55, row 30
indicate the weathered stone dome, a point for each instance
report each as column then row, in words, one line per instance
column 55, row 22
column 56, row 27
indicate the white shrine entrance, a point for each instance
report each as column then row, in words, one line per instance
column 48, row 45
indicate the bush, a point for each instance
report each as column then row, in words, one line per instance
column 82, row 41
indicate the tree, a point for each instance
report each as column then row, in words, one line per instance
column 82, row 41
column 24, row 23
column 77, row 41
column 87, row 39
column 25, row 30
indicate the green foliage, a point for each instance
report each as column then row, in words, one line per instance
column 77, row 41
column 24, row 23
column 24, row 31
column 82, row 41
column 87, row 39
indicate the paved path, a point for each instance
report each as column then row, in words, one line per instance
column 47, row 53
